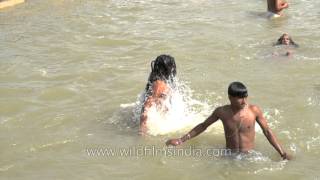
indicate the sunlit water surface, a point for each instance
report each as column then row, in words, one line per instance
column 72, row 73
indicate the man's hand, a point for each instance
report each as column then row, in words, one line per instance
column 286, row 156
column 284, row 5
column 289, row 53
column 174, row 142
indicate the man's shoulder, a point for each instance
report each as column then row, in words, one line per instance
column 255, row 108
column 222, row 109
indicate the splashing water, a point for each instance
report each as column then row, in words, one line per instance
column 182, row 112
column 179, row 113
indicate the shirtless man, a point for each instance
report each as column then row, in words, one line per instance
column 275, row 7
column 238, row 120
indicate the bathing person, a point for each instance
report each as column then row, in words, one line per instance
column 163, row 70
column 286, row 40
column 275, row 7
column 238, row 119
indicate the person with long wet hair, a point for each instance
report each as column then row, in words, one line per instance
column 286, row 40
column 163, row 71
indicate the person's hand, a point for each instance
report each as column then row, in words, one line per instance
column 286, row 156
column 284, row 5
column 289, row 53
column 174, row 142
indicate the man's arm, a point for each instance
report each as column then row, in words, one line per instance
column 269, row 134
column 196, row 130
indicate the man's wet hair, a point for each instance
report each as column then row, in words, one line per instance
column 279, row 42
column 162, row 68
column 237, row 89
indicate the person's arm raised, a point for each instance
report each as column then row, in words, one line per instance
column 196, row 130
column 269, row 134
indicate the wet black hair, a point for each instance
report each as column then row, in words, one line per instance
column 237, row 89
column 162, row 68
column 279, row 42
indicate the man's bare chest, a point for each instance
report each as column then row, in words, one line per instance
column 241, row 122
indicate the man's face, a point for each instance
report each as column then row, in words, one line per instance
column 238, row 102
column 286, row 40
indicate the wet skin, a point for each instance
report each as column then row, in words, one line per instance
column 238, row 120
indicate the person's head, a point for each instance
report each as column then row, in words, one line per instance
column 285, row 39
column 162, row 68
column 238, row 94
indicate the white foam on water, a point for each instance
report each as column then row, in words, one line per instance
column 179, row 113
column 176, row 116
column 255, row 162
column 313, row 143
column 252, row 156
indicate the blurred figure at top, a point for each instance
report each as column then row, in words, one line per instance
column 275, row 8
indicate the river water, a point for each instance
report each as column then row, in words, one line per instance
column 72, row 71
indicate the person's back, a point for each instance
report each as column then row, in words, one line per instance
column 157, row 88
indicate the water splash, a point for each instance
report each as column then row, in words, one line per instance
column 183, row 112
column 313, row 143
column 179, row 113
column 251, row 156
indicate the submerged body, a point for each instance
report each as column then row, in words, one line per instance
column 286, row 41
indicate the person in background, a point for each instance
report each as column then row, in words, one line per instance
column 286, row 40
column 275, row 8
